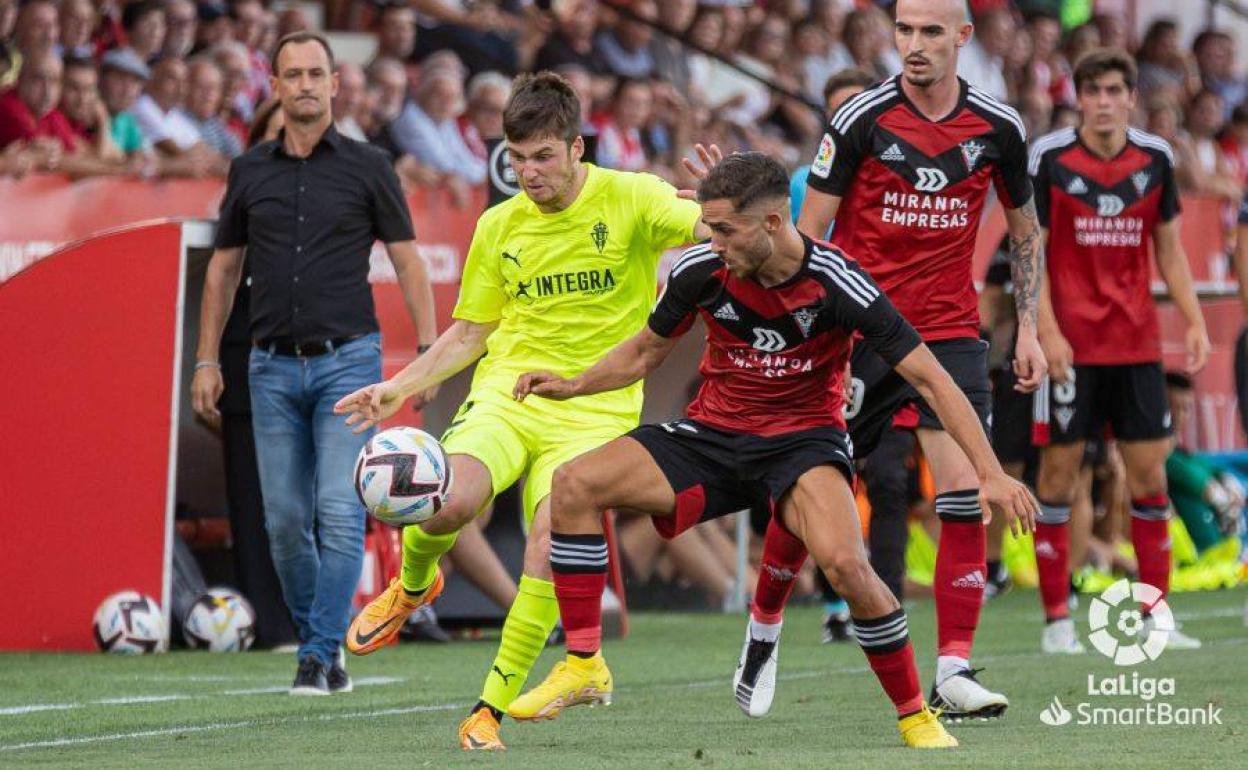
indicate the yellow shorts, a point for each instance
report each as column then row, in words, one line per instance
column 529, row 439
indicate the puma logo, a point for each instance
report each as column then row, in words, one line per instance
column 505, row 677
column 513, row 259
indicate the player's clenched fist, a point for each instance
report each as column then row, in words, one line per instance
column 1010, row 496
column 370, row 405
column 544, row 384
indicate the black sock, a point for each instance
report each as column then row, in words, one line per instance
column 585, row 655
column 498, row 715
column 994, row 568
column 415, row 594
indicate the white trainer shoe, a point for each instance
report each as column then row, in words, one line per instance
column 1175, row 640
column 754, row 683
column 961, row 697
column 1060, row 638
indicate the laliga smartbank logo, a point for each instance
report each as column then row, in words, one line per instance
column 1119, row 631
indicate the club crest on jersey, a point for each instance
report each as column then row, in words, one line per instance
column 599, row 234
column 971, row 150
column 1077, row 186
column 805, row 318
column 822, row 165
column 1140, row 179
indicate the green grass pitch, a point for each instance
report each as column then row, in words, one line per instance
column 673, row 704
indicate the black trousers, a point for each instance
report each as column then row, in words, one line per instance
column 253, row 564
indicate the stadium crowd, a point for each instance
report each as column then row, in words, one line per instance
column 170, row 88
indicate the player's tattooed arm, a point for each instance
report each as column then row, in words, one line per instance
column 1026, row 261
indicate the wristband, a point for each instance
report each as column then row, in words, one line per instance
column 207, row 364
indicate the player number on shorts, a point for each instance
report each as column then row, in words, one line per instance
column 1064, row 392
column 853, row 403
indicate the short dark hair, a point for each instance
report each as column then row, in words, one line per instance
column 74, row 61
column 1179, row 380
column 1102, row 61
column 745, row 178
column 542, row 104
column 847, row 78
column 302, row 36
column 134, row 12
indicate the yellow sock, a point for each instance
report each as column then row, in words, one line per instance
column 421, row 552
column 529, row 622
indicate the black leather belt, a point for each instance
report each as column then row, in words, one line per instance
column 285, row 346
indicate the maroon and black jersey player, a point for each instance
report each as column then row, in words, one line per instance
column 904, row 169
column 1106, row 195
column 766, row 426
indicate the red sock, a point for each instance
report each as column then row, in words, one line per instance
column 886, row 641
column 1053, row 559
column 961, row 570
column 783, row 556
column 1150, row 535
column 579, row 565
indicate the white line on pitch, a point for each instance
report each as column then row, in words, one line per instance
column 129, row 700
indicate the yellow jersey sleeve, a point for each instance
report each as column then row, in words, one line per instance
column 481, row 293
column 668, row 220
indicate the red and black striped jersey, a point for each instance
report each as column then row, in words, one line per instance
column 1100, row 214
column 913, row 190
column 775, row 356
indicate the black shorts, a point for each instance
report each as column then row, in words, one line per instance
column 1131, row 398
column 1012, row 416
column 716, row 472
column 879, row 391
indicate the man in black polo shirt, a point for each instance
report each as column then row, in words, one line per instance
column 308, row 207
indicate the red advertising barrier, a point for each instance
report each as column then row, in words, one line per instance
column 90, row 356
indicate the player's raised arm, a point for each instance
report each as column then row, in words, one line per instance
column 997, row 490
column 625, row 364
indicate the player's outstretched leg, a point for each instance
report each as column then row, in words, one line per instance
column 959, row 582
column 754, row 683
column 421, row 581
column 1150, row 525
column 819, row 509
column 621, row 474
column 1055, row 488
column 530, row 619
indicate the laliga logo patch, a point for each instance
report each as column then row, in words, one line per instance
column 822, row 166
column 1129, row 623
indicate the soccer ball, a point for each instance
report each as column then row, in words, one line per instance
column 220, row 620
column 402, row 476
column 129, row 622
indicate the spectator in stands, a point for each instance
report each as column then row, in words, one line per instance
column 249, row 30
column 88, row 117
column 16, row 161
column 1164, row 67
column 427, row 130
column 292, row 19
column 144, row 22
column 240, row 102
column 28, row 112
column 706, row 32
column 387, row 94
column 203, row 106
column 1215, row 59
column 1234, row 143
column 620, row 143
column 396, row 32
column 626, row 47
column 349, row 101
column 868, row 46
column 78, row 20
column 821, row 57
column 8, row 18
column 572, row 42
column 7, row 73
column 483, row 119
column 37, row 31
column 1049, row 72
column 670, row 55
column 1079, row 41
column 1213, row 175
column 167, row 127
column 213, row 25
column 122, row 77
column 982, row 61
column 482, row 34
column 181, row 22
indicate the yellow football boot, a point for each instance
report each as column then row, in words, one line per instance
column 572, row 682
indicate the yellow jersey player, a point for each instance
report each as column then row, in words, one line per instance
column 554, row 279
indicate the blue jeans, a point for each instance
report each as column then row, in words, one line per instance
column 306, row 455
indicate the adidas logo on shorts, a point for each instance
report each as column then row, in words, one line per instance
column 893, row 153
column 727, row 312
column 973, row 579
